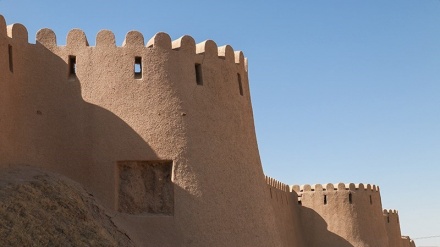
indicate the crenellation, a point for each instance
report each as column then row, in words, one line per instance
column 227, row 53
column 340, row 186
column 239, row 58
column 133, row 39
column 246, row 64
column 18, row 32
column 317, row 187
column 160, row 40
column 208, row 48
column 277, row 184
column 306, row 187
column 390, row 212
column 3, row 30
column 105, row 39
column 76, row 38
column 295, row 188
column 369, row 187
column 185, row 43
column 330, row 187
column 350, row 186
column 46, row 37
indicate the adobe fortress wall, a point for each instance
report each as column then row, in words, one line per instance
column 392, row 225
column 162, row 132
column 407, row 242
column 342, row 215
column 85, row 112
column 287, row 212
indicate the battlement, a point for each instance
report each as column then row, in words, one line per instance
column 407, row 242
column 80, row 110
column 390, row 212
column 277, row 184
column 391, row 216
column 77, row 39
column 333, row 187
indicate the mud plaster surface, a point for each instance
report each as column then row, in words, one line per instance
column 145, row 187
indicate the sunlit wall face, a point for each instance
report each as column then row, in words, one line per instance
column 342, row 90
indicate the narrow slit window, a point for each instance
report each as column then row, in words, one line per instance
column 371, row 200
column 11, row 64
column 270, row 192
column 325, row 199
column 388, row 219
column 350, row 198
column 240, row 85
column 199, row 76
column 72, row 66
column 138, row 67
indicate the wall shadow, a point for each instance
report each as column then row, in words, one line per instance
column 52, row 127
column 316, row 233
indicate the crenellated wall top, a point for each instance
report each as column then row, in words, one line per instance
column 333, row 187
column 77, row 39
column 277, row 184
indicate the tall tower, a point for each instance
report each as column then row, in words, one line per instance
column 168, row 120
column 342, row 215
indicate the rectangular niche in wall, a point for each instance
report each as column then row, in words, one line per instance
column 145, row 187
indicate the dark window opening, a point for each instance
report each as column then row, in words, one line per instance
column 199, row 76
column 371, row 200
column 145, row 187
column 325, row 199
column 270, row 192
column 299, row 202
column 350, row 198
column 72, row 66
column 138, row 67
column 240, row 86
column 11, row 65
column 388, row 219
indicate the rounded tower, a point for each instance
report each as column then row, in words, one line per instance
column 161, row 132
column 342, row 215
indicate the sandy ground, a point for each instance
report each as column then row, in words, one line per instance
column 39, row 208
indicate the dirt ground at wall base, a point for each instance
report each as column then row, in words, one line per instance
column 39, row 208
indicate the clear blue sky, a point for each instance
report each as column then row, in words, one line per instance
column 342, row 90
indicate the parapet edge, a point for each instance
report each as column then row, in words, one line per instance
column 277, row 184
column 3, row 30
column 17, row 32
column 390, row 211
column 333, row 187
column 76, row 38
